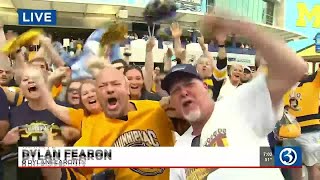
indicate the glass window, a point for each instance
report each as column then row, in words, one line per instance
column 269, row 13
column 259, row 11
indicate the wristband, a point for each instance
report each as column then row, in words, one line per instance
column 127, row 54
column 221, row 46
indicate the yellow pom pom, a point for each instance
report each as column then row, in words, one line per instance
column 30, row 37
column 10, row 47
column 116, row 33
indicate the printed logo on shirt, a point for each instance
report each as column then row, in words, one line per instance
column 36, row 131
column 198, row 173
column 294, row 101
column 140, row 138
column 217, row 139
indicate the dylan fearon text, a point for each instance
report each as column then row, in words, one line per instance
column 67, row 154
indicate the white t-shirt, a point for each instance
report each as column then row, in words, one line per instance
column 227, row 89
column 184, row 140
column 244, row 118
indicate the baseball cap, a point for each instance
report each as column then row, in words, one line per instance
column 247, row 68
column 176, row 73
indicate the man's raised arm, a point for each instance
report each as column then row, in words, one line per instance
column 285, row 68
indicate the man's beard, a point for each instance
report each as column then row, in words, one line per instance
column 193, row 116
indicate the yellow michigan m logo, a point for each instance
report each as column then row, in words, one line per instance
column 305, row 16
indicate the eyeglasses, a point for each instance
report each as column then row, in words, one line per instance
column 70, row 90
column 196, row 141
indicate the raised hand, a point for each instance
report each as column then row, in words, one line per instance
column 45, row 40
column 95, row 64
column 218, row 22
column 164, row 102
column 58, row 74
column 46, row 96
column 169, row 53
column 221, row 38
column 10, row 35
column 201, row 40
column 181, row 53
column 176, row 31
column 167, row 107
column 150, row 44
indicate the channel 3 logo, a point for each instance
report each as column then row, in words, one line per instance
column 288, row 156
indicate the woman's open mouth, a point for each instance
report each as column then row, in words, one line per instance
column 92, row 101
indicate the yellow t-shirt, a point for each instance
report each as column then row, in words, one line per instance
column 154, row 89
column 76, row 117
column 303, row 102
column 84, row 123
column 149, row 122
column 87, row 125
column 56, row 90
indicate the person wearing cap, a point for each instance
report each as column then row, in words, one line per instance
column 244, row 118
column 247, row 75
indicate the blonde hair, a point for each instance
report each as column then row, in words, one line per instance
column 233, row 66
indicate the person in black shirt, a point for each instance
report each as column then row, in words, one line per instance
column 31, row 119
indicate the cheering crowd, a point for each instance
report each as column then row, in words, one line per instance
column 122, row 105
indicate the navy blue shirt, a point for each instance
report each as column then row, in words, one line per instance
column 4, row 106
column 32, row 124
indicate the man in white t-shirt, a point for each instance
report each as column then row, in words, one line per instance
column 244, row 118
